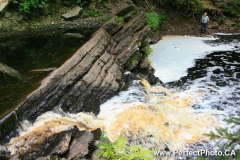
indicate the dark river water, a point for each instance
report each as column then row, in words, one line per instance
column 25, row 61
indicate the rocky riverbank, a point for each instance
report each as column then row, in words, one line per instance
column 90, row 77
column 93, row 74
column 51, row 18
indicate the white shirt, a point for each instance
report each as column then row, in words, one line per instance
column 205, row 19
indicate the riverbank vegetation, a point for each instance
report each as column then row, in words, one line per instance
column 227, row 140
column 120, row 150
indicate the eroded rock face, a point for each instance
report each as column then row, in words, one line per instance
column 89, row 78
column 79, row 146
column 68, row 144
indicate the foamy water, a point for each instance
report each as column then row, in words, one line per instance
column 154, row 116
column 173, row 55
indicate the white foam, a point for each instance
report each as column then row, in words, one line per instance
column 173, row 55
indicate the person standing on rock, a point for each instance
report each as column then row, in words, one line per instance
column 204, row 21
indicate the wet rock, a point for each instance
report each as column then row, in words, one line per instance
column 15, row 157
column 126, row 10
column 4, row 155
column 73, row 13
column 79, row 146
column 228, row 21
column 73, row 35
column 144, row 64
column 95, row 155
column 56, row 145
column 131, row 65
column 7, row 15
column 70, row 144
column 63, row 145
column 85, row 81
column 131, row 27
column 124, row 53
column 96, row 134
column 155, row 39
column 113, row 25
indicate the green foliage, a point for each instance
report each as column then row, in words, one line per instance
column 92, row 13
column 108, row 18
column 119, row 150
column 26, row 6
column 149, row 51
column 121, row 19
column 154, row 20
column 133, row 59
column 233, row 8
column 233, row 139
column 104, row 6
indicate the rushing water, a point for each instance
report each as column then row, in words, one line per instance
column 202, row 76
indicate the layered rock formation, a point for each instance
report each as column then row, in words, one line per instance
column 89, row 78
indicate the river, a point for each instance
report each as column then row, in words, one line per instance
column 26, row 60
column 202, row 89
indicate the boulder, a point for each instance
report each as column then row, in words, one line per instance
column 74, row 13
column 4, row 154
column 55, row 145
column 229, row 22
column 7, row 15
column 85, row 81
column 127, row 10
column 79, row 146
column 3, row 4
column 69, row 144
column 15, row 157
column 74, row 35
column 213, row 25
column 63, row 145
column 144, row 64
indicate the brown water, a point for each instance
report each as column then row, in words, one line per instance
column 161, row 119
column 23, row 58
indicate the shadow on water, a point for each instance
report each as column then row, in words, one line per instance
column 25, row 61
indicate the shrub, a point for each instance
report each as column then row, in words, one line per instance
column 233, row 138
column 27, row 5
column 153, row 20
column 232, row 8
column 134, row 57
column 92, row 13
column 149, row 51
column 119, row 150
